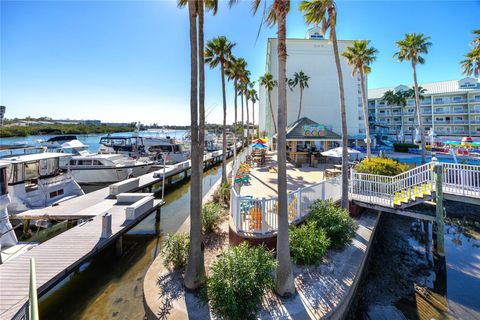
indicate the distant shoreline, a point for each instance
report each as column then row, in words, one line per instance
column 59, row 129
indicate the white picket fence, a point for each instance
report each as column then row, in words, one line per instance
column 260, row 216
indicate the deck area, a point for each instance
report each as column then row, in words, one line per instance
column 263, row 181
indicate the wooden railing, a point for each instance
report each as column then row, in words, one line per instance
column 260, row 216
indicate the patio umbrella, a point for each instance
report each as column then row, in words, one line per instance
column 337, row 152
column 262, row 140
column 258, row 145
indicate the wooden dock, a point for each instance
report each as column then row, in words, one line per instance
column 80, row 207
column 59, row 256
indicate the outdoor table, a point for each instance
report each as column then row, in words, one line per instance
column 338, row 166
column 332, row 172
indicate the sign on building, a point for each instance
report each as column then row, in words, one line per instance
column 313, row 130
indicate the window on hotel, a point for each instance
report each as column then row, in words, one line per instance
column 438, row 100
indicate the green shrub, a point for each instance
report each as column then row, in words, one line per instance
column 239, row 278
column 403, row 147
column 382, row 166
column 336, row 222
column 222, row 195
column 212, row 214
column 308, row 243
column 175, row 250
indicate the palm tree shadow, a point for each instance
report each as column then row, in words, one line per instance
column 170, row 289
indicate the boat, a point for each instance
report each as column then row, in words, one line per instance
column 56, row 141
column 35, row 179
column 7, row 234
column 165, row 149
column 210, row 140
column 129, row 145
column 97, row 169
column 219, row 140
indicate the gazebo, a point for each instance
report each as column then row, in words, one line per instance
column 307, row 138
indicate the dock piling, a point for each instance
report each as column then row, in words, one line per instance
column 439, row 209
column 106, row 225
column 119, row 246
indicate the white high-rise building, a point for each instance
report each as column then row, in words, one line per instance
column 449, row 108
column 314, row 56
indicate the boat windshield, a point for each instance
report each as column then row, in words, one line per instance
column 31, row 170
column 3, row 181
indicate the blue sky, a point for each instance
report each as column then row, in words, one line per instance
column 129, row 60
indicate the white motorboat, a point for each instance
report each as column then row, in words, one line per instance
column 35, row 179
column 210, row 139
column 7, row 234
column 56, row 141
column 94, row 168
column 219, row 140
column 166, row 149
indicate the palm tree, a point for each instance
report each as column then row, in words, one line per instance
column 410, row 49
column 299, row 79
column 247, row 98
column 277, row 14
column 254, row 98
column 269, row 83
column 195, row 270
column 360, row 56
column 219, row 52
column 324, row 12
column 398, row 98
column 471, row 64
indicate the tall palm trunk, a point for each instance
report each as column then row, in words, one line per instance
column 195, row 270
column 284, row 276
column 201, row 82
column 243, row 124
column 235, row 122
column 248, row 124
column 419, row 114
column 300, row 106
column 253, row 119
column 271, row 110
column 343, row 118
column 365, row 112
column 224, row 144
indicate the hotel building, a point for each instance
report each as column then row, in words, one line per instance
column 314, row 56
column 450, row 108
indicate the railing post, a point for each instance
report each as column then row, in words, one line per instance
column 263, row 216
column 439, row 209
column 299, row 201
column 238, row 214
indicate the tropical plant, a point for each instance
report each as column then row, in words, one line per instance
column 299, row 79
column 253, row 98
column 218, row 52
column 324, row 13
column 381, row 166
column 336, row 222
column 269, row 83
column 397, row 98
column 175, row 250
column 239, row 278
column 236, row 72
column 410, row 49
column 212, row 214
column 277, row 14
column 308, row 243
column 471, row 63
column 359, row 55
